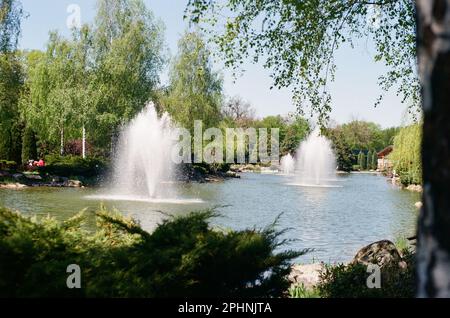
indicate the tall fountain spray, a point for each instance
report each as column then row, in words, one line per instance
column 143, row 166
column 287, row 164
column 316, row 162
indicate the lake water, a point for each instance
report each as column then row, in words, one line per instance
column 336, row 222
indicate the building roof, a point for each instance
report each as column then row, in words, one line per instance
column 385, row 151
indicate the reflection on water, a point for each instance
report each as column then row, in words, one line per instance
column 334, row 221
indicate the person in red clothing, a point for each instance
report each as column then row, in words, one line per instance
column 41, row 163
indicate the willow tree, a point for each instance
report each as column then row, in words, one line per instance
column 195, row 89
column 53, row 105
column 89, row 84
column 128, row 53
column 406, row 156
column 297, row 41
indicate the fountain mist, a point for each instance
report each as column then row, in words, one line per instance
column 316, row 162
column 287, row 164
column 143, row 166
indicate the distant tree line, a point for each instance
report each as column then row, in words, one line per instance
column 93, row 83
column 103, row 75
column 357, row 143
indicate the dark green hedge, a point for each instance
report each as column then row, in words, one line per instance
column 184, row 256
column 67, row 166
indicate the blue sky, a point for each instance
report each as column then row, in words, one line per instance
column 354, row 91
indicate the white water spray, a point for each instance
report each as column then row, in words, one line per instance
column 287, row 164
column 143, row 166
column 316, row 162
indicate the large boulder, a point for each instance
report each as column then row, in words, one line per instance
column 307, row 275
column 381, row 253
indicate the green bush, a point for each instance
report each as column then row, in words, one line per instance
column 8, row 165
column 182, row 257
column 350, row 281
column 300, row 291
column 68, row 166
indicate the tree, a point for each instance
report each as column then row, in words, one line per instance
column 344, row 154
column 29, row 145
column 52, row 106
column 362, row 160
column 369, row 160
column 11, row 80
column 363, row 135
column 374, row 160
column 406, row 154
column 297, row 129
column 299, row 38
column 128, row 57
column 11, row 14
column 239, row 111
column 434, row 221
column 90, row 84
column 195, row 91
column 297, row 41
column 388, row 136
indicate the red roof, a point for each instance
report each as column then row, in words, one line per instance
column 385, row 151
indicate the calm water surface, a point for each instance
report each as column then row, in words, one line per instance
column 336, row 222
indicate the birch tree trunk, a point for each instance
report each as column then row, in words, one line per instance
column 61, row 150
column 84, row 143
column 433, row 250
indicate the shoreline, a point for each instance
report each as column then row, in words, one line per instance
column 20, row 180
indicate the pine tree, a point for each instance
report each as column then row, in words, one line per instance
column 363, row 161
column 360, row 160
column 374, row 160
column 369, row 160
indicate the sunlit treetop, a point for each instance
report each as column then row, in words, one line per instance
column 297, row 41
column 11, row 14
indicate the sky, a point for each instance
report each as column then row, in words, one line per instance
column 354, row 91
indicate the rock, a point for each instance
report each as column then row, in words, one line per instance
column 418, row 204
column 308, row 275
column 12, row 186
column 74, row 184
column 17, row 176
column 381, row 253
column 232, row 174
column 236, row 168
column 33, row 176
column 56, row 179
column 414, row 187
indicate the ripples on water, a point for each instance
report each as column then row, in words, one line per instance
column 335, row 221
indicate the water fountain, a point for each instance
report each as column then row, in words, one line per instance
column 142, row 165
column 316, row 162
column 287, row 164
